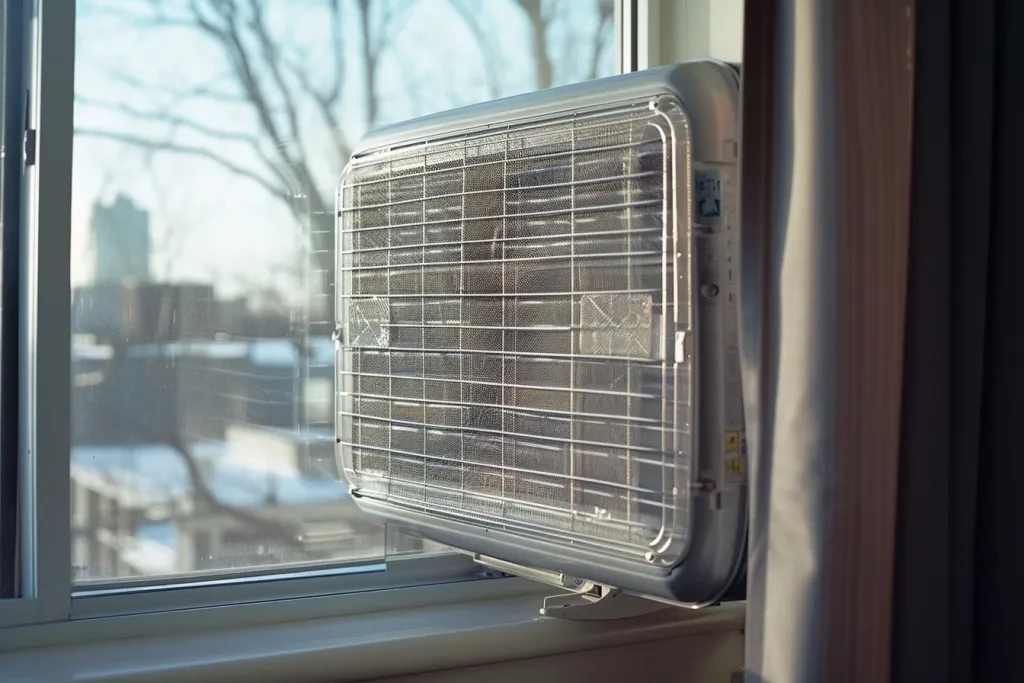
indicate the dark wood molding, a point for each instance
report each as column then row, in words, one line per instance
column 873, row 76
column 854, row 60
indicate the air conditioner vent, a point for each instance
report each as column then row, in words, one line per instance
column 537, row 331
column 510, row 298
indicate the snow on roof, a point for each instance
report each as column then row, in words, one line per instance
column 161, row 533
column 323, row 351
column 153, row 550
column 159, row 473
column 275, row 352
column 205, row 349
column 212, row 349
column 92, row 351
column 268, row 352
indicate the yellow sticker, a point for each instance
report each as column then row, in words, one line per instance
column 735, row 467
column 735, row 454
column 732, row 442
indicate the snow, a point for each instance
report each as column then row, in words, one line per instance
column 159, row 473
column 273, row 352
column 266, row 352
column 153, row 550
column 323, row 351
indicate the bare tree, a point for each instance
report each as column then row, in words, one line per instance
column 281, row 88
column 488, row 50
column 274, row 83
column 539, row 16
column 539, row 20
column 602, row 36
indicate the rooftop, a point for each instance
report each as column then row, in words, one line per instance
column 158, row 473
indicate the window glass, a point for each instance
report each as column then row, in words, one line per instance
column 209, row 136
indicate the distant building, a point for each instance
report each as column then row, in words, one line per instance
column 121, row 241
column 229, row 317
column 145, row 392
column 142, row 312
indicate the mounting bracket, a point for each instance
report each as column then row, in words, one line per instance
column 598, row 604
column 588, row 601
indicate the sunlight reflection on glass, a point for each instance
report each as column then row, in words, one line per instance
column 209, row 137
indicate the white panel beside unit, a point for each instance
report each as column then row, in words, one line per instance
column 536, row 331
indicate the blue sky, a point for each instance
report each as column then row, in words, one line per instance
column 209, row 224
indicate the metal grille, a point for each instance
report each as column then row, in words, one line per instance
column 513, row 307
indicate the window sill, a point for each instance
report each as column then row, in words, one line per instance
column 362, row 646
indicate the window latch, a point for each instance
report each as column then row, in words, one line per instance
column 30, row 147
column 30, row 133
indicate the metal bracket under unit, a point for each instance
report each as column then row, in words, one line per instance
column 588, row 601
column 597, row 605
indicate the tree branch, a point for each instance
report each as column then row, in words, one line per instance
column 231, row 42
column 281, row 531
column 338, row 50
column 151, row 145
column 272, row 60
column 180, row 95
column 539, row 35
column 173, row 120
column 369, row 61
column 485, row 44
column 327, row 102
column 391, row 23
column 276, row 90
column 287, row 534
column 605, row 15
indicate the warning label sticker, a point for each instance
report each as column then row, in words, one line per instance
column 735, row 457
column 709, row 195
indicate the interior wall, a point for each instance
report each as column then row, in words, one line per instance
column 695, row 29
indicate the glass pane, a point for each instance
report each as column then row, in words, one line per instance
column 209, row 139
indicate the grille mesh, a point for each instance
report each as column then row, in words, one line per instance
column 509, row 306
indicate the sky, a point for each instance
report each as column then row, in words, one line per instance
column 209, row 224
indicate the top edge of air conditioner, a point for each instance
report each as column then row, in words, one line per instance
column 506, row 110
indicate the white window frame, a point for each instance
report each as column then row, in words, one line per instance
column 662, row 32
column 50, row 610
column 44, row 334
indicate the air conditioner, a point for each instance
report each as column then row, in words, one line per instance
column 537, row 333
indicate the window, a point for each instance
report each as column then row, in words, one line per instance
column 196, row 156
column 208, row 140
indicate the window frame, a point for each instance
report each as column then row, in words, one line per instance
column 662, row 32
column 10, row 285
column 44, row 553
column 50, row 608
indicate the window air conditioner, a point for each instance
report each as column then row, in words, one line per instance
column 537, row 333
